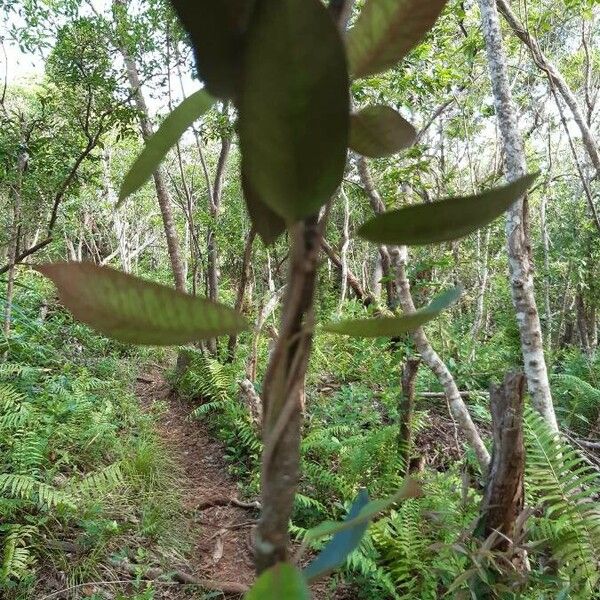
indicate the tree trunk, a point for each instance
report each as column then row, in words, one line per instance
column 504, row 492
column 344, row 251
column 406, row 409
column 282, row 398
column 504, row 497
column 13, row 252
column 582, row 323
column 399, row 260
column 239, row 301
column 431, row 358
column 546, row 249
column 483, row 274
column 162, row 191
column 351, row 279
column 520, row 267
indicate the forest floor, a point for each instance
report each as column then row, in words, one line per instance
column 222, row 542
column 221, row 545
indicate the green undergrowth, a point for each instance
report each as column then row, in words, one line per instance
column 84, row 480
column 424, row 548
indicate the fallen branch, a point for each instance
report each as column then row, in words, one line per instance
column 227, row 587
column 224, row 501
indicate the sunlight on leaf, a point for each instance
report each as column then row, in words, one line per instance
column 168, row 134
column 395, row 326
column 386, row 31
column 444, row 220
column 131, row 310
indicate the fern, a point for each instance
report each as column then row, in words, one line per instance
column 578, row 402
column 16, row 553
column 29, row 489
column 100, row 482
column 563, row 484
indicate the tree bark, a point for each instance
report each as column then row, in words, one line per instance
column 160, row 184
column 518, row 244
column 282, row 398
column 554, row 77
column 13, row 252
column 504, row 492
column 406, row 409
column 432, row 359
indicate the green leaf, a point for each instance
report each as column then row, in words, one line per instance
column 135, row 311
column 283, row 581
column 294, row 106
column 386, row 31
column 216, row 30
column 342, row 544
column 410, row 489
column 444, row 220
column 268, row 224
column 168, row 134
column 378, row 131
column 395, row 326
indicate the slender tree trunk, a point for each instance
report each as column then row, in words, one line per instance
column 162, row 191
column 13, row 252
column 484, row 270
column 283, row 392
column 12, row 261
column 582, row 322
column 406, row 410
column 520, row 267
column 241, row 293
column 344, row 250
column 458, row 409
column 432, row 359
column 351, row 280
column 546, row 249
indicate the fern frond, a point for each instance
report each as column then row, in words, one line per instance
column 564, row 485
column 28, row 488
column 16, row 555
column 100, row 482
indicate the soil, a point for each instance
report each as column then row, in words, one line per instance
column 222, row 549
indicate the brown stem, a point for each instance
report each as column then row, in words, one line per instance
column 282, row 398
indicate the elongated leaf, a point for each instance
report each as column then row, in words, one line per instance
column 268, row 224
column 395, row 326
column 294, row 106
column 216, row 29
column 444, row 220
column 135, row 311
column 281, row 582
column 378, row 131
column 168, row 134
column 386, row 31
column 410, row 489
column 342, row 543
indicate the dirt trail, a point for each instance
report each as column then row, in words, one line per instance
column 222, row 543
